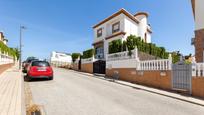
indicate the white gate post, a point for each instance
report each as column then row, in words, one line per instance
column 136, row 52
column 170, row 61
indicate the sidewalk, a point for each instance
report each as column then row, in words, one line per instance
column 189, row 99
column 11, row 92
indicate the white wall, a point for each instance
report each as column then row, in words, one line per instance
column 129, row 63
column 199, row 14
column 131, row 27
column 60, row 57
column 149, row 37
column 142, row 25
column 5, row 42
column 107, row 27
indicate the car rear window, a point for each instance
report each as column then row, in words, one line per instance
column 40, row 63
column 32, row 60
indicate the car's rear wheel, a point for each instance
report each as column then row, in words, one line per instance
column 28, row 78
column 51, row 78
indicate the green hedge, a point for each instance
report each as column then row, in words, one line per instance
column 152, row 49
column 115, row 46
column 75, row 56
column 16, row 52
column 11, row 51
column 88, row 53
column 149, row 48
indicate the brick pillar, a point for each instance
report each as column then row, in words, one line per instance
column 199, row 45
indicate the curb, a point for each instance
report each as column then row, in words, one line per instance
column 119, row 82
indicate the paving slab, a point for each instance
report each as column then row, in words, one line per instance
column 11, row 101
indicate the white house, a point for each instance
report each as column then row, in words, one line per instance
column 198, row 41
column 119, row 26
column 3, row 39
column 60, row 59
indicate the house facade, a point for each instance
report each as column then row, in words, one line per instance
column 119, row 26
column 198, row 41
column 60, row 59
column 2, row 38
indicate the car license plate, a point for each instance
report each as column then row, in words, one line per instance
column 41, row 69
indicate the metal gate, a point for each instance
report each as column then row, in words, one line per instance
column 99, row 67
column 181, row 77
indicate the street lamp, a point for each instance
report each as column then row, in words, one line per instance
column 20, row 52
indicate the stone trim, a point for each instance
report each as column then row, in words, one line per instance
column 98, row 42
column 117, row 34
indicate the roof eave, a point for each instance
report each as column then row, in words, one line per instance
column 193, row 7
column 116, row 14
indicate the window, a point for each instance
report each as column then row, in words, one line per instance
column 56, row 56
column 99, row 53
column 116, row 27
column 40, row 63
column 145, row 37
column 99, row 32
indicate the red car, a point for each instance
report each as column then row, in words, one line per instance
column 39, row 69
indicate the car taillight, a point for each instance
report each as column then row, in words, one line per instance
column 32, row 68
column 48, row 69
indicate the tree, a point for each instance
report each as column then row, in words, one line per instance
column 124, row 46
column 162, row 53
column 175, row 56
column 75, row 56
column 131, row 42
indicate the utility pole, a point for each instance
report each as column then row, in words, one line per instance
column 20, row 56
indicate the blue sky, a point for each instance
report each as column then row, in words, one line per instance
column 66, row 25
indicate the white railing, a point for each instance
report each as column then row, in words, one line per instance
column 198, row 69
column 5, row 59
column 122, row 55
column 88, row 60
column 162, row 64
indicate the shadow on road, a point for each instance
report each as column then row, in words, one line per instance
column 35, row 80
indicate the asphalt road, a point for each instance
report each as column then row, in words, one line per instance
column 71, row 93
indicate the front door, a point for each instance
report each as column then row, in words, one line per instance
column 99, row 67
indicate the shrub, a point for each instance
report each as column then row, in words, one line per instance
column 150, row 48
column 10, row 51
column 175, row 57
column 131, row 42
column 88, row 53
column 115, row 46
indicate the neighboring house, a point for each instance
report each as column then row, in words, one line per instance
column 60, row 59
column 119, row 26
column 3, row 39
column 198, row 41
